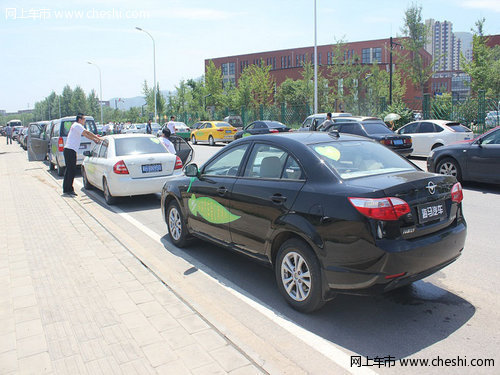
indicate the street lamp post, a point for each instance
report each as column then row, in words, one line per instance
column 390, row 69
column 154, row 65
column 100, row 85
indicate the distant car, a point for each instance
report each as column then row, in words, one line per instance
column 23, row 137
column 330, row 213
column 235, row 121
column 429, row 134
column 262, row 127
column 474, row 160
column 212, row 132
column 492, row 119
column 376, row 129
column 126, row 165
column 99, row 129
column 181, row 130
column 312, row 122
column 135, row 129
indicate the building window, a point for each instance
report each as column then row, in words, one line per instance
column 365, row 56
column 274, row 62
column 377, row 55
column 224, row 69
column 341, row 86
column 282, row 62
column 319, row 58
column 231, row 68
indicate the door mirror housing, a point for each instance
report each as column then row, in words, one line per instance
column 192, row 170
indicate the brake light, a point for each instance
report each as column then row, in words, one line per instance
column 273, row 131
column 386, row 142
column 178, row 163
column 407, row 141
column 60, row 144
column 387, row 209
column 220, row 130
column 120, row 168
column 457, row 194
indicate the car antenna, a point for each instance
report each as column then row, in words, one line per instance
column 334, row 133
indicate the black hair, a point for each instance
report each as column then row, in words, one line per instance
column 166, row 132
column 79, row 116
column 328, row 114
column 172, row 117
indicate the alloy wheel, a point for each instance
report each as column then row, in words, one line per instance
column 174, row 223
column 449, row 169
column 295, row 276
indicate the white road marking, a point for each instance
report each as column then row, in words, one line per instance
column 316, row 342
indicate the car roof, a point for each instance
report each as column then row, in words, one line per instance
column 334, row 114
column 307, row 137
column 117, row 136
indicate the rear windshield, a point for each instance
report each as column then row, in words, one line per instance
column 458, row 127
column 275, row 125
column 89, row 125
column 141, row 126
column 376, row 128
column 360, row 158
column 222, row 125
column 139, row 146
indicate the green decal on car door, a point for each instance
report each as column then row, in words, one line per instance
column 211, row 210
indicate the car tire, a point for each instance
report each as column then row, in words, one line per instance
column 436, row 146
column 86, row 183
column 303, row 293
column 110, row 200
column 177, row 230
column 211, row 141
column 60, row 170
column 193, row 139
column 51, row 166
column 449, row 166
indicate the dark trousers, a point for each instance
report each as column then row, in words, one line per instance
column 69, row 173
column 9, row 139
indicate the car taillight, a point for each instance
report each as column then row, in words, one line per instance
column 381, row 208
column 386, row 142
column 457, row 194
column 120, row 168
column 178, row 163
column 60, row 144
column 273, row 131
column 220, row 130
column 407, row 141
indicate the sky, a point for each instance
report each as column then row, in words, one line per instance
column 45, row 45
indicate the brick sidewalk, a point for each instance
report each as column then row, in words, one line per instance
column 74, row 300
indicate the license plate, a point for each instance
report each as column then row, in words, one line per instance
column 148, row 168
column 398, row 141
column 83, row 147
column 229, row 131
column 431, row 211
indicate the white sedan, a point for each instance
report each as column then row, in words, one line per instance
column 426, row 135
column 126, row 165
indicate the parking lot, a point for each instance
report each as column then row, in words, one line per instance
column 450, row 314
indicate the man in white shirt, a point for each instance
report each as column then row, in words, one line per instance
column 166, row 141
column 171, row 125
column 70, row 150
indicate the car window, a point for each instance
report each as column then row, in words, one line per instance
column 139, row 146
column 66, row 125
column 95, row 151
column 251, row 126
column 457, row 127
column 360, row 158
column 226, row 164
column 222, row 125
column 426, row 127
column 352, row 129
column 292, row 170
column 103, row 152
column 35, row 131
column 307, row 122
column 492, row 139
column 55, row 130
column 438, row 128
column 409, row 129
column 265, row 162
column 376, row 128
column 260, row 125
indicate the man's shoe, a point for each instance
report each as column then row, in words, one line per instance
column 72, row 193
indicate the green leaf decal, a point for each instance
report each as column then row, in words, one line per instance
column 211, row 210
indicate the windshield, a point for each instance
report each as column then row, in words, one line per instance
column 89, row 125
column 141, row 126
column 275, row 125
column 458, row 127
column 222, row 125
column 139, row 146
column 376, row 128
column 360, row 158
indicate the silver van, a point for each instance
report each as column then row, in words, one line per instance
column 55, row 141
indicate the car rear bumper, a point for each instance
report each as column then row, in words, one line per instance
column 403, row 151
column 412, row 260
column 121, row 186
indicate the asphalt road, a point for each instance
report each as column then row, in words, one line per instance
column 453, row 313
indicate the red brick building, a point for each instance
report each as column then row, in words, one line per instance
column 287, row 63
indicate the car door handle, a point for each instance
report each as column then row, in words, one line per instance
column 278, row 198
column 221, row 191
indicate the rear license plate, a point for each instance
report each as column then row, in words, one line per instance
column 398, row 141
column 229, row 131
column 149, row 168
column 83, row 147
column 431, row 211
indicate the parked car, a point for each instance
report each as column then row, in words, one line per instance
column 125, row 165
column 181, row 130
column 332, row 213
column 429, row 134
column 376, row 129
column 312, row 122
column 135, row 129
column 55, row 141
column 492, row 119
column 22, row 137
column 15, row 132
column 235, row 121
column 212, row 132
column 262, row 127
column 474, row 160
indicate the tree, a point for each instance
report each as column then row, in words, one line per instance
column 377, row 88
column 67, row 94
column 411, row 60
column 484, row 68
column 260, row 82
column 213, row 84
column 78, row 101
column 94, row 108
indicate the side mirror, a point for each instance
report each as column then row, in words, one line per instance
column 191, row 170
column 86, row 153
column 480, row 142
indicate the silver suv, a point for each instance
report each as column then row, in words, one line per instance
column 312, row 122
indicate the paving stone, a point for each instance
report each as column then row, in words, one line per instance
column 163, row 322
column 212, row 369
column 175, row 367
column 193, row 323
column 7, row 342
column 178, row 337
column 145, row 335
column 26, row 313
column 31, row 345
column 36, row 364
column 29, row 328
column 70, row 365
column 246, row 370
column 141, row 296
column 103, row 366
column 134, row 319
column 139, row 366
column 8, row 362
column 229, row 358
column 159, row 353
column 151, row 308
column 194, row 356
column 210, row 339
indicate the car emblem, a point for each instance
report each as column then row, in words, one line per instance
column 431, row 186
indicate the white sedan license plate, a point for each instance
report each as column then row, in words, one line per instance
column 431, row 211
column 398, row 141
column 149, row 168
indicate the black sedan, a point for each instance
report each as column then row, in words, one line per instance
column 376, row 129
column 330, row 213
column 476, row 160
column 262, row 127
